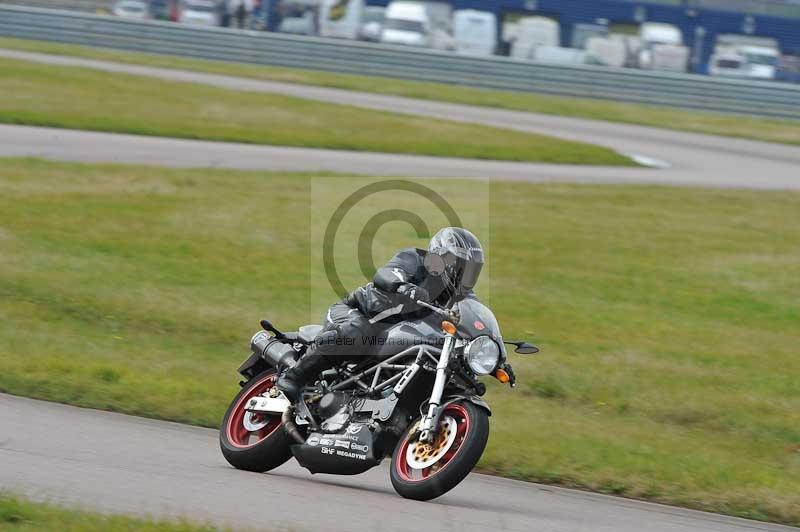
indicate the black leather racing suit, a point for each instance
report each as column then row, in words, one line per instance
column 371, row 309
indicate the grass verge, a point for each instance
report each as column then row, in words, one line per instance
column 81, row 98
column 784, row 131
column 669, row 318
column 19, row 515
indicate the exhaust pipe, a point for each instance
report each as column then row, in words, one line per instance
column 272, row 350
column 290, row 427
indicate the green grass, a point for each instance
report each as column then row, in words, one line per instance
column 81, row 98
column 669, row 318
column 785, row 131
column 19, row 515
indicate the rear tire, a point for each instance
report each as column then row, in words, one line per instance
column 260, row 450
column 447, row 472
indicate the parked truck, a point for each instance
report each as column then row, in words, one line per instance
column 606, row 51
column 425, row 24
column 532, row 32
column 340, row 18
column 475, row 32
column 662, row 48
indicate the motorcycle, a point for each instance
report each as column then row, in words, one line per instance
column 416, row 398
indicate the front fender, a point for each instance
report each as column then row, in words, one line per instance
column 474, row 399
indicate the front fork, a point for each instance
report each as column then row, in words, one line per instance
column 428, row 426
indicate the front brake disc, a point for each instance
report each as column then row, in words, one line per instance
column 421, row 455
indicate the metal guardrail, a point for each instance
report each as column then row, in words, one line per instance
column 88, row 6
column 767, row 99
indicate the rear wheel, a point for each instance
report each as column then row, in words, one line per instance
column 250, row 440
column 426, row 471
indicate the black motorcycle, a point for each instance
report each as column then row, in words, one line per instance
column 416, row 397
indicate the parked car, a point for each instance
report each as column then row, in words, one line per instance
column 372, row 23
column 200, row 12
column 161, row 9
column 475, row 32
column 298, row 17
column 133, row 9
column 302, row 25
column 789, row 69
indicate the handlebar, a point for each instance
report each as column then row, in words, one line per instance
column 450, row 314
column 432, row 307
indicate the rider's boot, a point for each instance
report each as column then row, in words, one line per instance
column 309, row 366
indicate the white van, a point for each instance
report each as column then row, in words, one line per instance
column 532, row 32
column 726, row 64
column 372, row 23
column 662, row 47
column 340, row 18
column 761, row 62
column 406, row 23
column 475, row 32
column 754, row 62
column 200, row 12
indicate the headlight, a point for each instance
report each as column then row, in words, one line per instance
column 482, row 355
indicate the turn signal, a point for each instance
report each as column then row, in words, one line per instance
column 501, row 375
column 448, row 327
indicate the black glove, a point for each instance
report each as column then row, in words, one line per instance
column 414, row 293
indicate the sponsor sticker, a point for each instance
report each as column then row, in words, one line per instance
column 354, row 429
column 312, row 440
column 325, row 441
column 342, row 443
column 347, row 454
column 327, row 450
column 358, row 447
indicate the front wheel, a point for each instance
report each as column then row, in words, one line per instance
column 251, row 441
column 426, row 471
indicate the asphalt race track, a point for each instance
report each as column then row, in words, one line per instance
column 679, row 158
column 122, row 464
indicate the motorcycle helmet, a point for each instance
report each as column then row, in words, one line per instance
column 456, row 255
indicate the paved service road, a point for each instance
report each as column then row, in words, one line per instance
column 122, row 464
column 693, row 159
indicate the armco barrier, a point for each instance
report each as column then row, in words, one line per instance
column 769, row 99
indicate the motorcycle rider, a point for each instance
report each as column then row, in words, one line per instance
column 447, row 271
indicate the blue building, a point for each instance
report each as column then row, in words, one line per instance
column 699, row 20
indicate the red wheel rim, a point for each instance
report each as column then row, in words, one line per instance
column 238, row 435
column 409, row 474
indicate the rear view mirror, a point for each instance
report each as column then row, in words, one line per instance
column 524, row 348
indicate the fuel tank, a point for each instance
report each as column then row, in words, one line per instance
column 407, row 334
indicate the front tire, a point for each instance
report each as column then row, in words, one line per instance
column 422, row 473
column 254, row 442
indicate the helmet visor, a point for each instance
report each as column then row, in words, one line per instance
column 472, row 270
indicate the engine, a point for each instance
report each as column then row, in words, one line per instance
column 332, row 402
